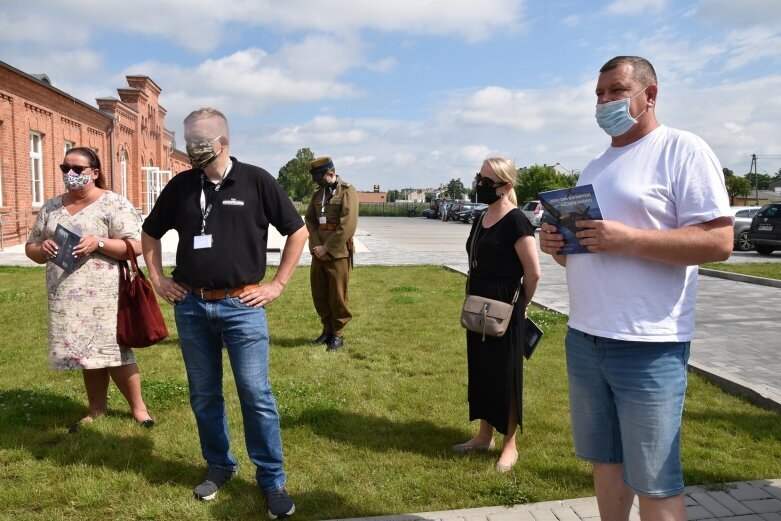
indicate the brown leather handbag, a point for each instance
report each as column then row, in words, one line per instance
column 139, row 320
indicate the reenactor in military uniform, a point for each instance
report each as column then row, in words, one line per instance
column 331, row 219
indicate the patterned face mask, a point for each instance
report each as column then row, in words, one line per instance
column 201, row 152
column 74, row 181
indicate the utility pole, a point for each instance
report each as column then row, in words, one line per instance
column 753, row 170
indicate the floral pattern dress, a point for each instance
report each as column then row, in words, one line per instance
column 83, row 303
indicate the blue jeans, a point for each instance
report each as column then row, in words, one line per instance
column 203, row 328
column 626, row 403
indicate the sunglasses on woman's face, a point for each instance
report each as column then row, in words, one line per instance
column 76, row 168
column 488, row 182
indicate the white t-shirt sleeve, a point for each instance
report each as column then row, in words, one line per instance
column 699, row 188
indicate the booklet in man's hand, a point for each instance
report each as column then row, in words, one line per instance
column 66, row 241
column 567, row 206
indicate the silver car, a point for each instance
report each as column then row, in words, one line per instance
column 743, row 216
column 532, row 210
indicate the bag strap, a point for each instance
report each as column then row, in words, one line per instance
column 131, row 255
column 472, row 254
column 472, row 251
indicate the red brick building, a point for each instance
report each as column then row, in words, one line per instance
column 39, row 122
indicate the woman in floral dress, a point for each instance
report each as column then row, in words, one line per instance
column 83, row 302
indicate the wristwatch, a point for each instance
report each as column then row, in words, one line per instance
column 101, row 244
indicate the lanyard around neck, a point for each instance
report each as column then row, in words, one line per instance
column 326, row 190
column 206, row 203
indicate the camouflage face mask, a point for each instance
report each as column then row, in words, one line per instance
column 201, row 152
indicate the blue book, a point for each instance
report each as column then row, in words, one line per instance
column 565, row 207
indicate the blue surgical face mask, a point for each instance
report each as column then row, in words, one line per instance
column 614, row 117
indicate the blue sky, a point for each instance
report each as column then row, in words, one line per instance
column 413, row 93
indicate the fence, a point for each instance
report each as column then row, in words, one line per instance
column 15, row 227
column 397, row 209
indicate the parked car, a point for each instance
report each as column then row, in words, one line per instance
column 540, row 217
column 743, row 215
column 532, row 211
column 765, row 230
column 470, row 212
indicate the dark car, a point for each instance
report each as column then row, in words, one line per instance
column 470, row 212
column 765, row 230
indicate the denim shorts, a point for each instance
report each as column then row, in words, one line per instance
column 626, row 402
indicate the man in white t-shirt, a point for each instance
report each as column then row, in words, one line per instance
column 632, row 301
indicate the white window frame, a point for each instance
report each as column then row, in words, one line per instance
column 36, row 168
column 1, row 169
column 68, row 145
column 123, row 173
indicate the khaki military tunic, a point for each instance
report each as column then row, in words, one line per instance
column 329, row 278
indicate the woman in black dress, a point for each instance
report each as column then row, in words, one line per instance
column 505, row 252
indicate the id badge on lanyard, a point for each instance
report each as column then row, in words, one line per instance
column 204, row 240
column 323, row 219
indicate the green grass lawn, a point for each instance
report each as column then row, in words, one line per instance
column 770, row 270
column 367, row 430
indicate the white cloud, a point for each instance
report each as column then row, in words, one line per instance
column 733, row 118
column 571, row 21
column 384, row 65
column 353, row 161
column 636, row 7
column 476, row 154
column 745, row 12
column 200, row 25
column 38, row 27
column 752, row 45
column 250, row 80
column 322, row 130
column 463, row 18
column 523, row 110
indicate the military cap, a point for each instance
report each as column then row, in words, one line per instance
column 321, row 165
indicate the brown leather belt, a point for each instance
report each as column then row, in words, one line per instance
column 328, row 227
column 219, row 294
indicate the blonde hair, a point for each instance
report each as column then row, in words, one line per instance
column 505, row 170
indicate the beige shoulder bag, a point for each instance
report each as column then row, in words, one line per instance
column 484, row 315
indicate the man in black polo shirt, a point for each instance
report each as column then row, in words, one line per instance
column 221, row 210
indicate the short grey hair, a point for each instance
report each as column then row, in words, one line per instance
column 209, row 113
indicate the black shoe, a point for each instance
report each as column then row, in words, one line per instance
column 215, row 478
column 335, row 343
column 279, row 503
column 324, row 338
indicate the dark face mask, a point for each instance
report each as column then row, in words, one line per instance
column 319, row 179
column 486, row 194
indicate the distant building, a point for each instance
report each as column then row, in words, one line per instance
column 416, row 196
column 39, row 123
column 372, row 197
column 563, row 171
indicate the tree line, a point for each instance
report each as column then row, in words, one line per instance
column 295, row 180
